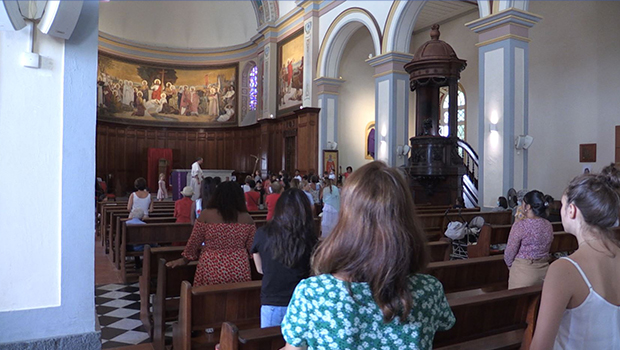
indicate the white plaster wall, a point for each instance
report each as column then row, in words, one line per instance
column 285, row 6
column 180, row 24
column 463, row 41
column 47, row 152
column 574, row 83
column 356, row 100
column 30, row 154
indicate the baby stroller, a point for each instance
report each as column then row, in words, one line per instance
column 462, row 234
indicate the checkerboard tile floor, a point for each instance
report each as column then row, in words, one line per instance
column 118, row 310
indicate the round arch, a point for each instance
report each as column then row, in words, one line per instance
column 337, row 37
column 399, row 25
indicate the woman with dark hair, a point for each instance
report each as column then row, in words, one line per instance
column 368, row 292
column 580, row 305
column 227, row 231
column 527, row 251
column 282, row 250
column 141, row 198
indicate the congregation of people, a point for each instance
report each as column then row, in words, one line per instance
column 360, row 283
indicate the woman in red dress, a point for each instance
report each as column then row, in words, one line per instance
column 227, row 231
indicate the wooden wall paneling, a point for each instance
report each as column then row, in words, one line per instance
column 122, row 150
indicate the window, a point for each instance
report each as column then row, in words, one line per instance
column 253, row 84
column 444, row 129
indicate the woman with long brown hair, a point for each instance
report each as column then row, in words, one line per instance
column 368, row 291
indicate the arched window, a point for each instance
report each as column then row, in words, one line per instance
column 253, row 84
column 444, row 129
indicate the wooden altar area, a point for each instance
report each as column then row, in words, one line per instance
column 288, row 142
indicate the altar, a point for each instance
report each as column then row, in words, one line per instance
column 182, row 177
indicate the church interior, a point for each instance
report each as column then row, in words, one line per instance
column 468, row 99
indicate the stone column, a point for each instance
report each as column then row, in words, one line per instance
column 503, row 82
column 270, row 75
column 391, row 106
column 311, row 50
column 327, row 91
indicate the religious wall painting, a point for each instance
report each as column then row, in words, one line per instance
column 330, row 162
column 290, row 72
column 147, row 94
column 369, row 141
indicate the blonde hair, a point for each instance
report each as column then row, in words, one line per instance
column 377, row 239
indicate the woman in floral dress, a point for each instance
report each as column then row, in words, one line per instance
column 367, row 292
column 227, row 231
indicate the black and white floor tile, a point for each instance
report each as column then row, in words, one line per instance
column 118, row 310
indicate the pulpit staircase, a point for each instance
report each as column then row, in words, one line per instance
column 470, row 179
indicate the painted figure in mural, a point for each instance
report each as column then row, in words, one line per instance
column 156, row 89
column 139, row 105
column 229, row 95
column 289, row 72
column 128, row 93
column 284, row 81
column 229, row 113
column 214, row 108
column 185, row 99
column 194, row 100
column 173, row 100
column 145, row 90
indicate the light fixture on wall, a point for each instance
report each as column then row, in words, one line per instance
column 523, row 142
column 492, row 127
column 332, row 145
column 402, row 150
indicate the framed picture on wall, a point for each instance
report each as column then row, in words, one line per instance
column 330, row 162
column 290, row 72
column 587, row 153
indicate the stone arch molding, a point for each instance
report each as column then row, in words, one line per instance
column 399, row 25
column 337, row 37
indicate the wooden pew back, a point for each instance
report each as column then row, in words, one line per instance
column 250, row 339
column 508, row 312
column 473, row 273
column 207, row 307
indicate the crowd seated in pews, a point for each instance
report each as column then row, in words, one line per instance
column 371, row 285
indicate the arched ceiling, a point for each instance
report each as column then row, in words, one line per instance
column 180, row 24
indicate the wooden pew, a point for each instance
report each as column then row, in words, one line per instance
column 497, row 320
column 166, row 302
column 447, row 210
column 435, row 224
column 108, row 221
column 150, row 234
column 148, row 279
column 207, row 307
column 439, row 250
column 498, row 234
column 116, row 238
column 250, row 339
column 458, row 275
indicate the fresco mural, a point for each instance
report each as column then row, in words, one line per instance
column 290, row 72
column 147, row 94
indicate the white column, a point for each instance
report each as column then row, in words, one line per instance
column 327, row 91
column 311, row 51
column 503, row 52
column 270, row 76
column 391, row 106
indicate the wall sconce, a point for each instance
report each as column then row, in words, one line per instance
column 402, row 151
column 332, row 145
column 492, row 127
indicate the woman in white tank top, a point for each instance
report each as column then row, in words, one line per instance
column 141, row 198
column 580, row 306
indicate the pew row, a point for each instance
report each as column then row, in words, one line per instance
column 435, row 224
column 493, row 321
